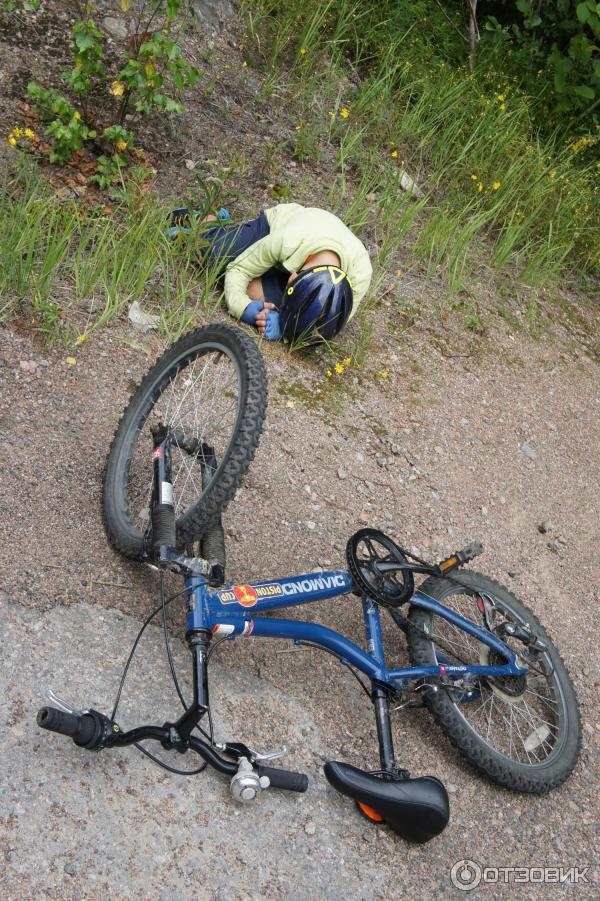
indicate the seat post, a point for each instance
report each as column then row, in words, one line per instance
column 384, row 730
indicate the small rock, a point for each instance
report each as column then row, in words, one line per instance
column 28, row 365
column 527, row 449
column 438, row 449
column 311, row 525
column 363, row 517
column 310, row 828
column 116, row 28
column 553, row 546
column 189, row 164
column 544, row 527
column 512, row 574
column 214, row 13
column 484, row 511
column 451, row 788
column 140, row 319
column 70, row 869
column 342, row 473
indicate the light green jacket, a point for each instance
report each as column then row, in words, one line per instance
column 296, row 232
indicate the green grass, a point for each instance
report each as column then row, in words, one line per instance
column 71, row 268
column 469, row 140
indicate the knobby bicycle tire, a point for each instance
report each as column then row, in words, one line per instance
column 213, row 343
column 537, row 777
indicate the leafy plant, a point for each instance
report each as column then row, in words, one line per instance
column 153, row 72
column 89, row 54
column 67, row 130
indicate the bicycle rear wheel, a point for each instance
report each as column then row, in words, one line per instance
column 521, row 731
column 210, row 387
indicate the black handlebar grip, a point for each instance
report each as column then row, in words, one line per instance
column 80, row 728
column 292, row 782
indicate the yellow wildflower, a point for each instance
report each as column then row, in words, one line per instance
column 502, row 106
column 347, row 360
column 552, row 174
column 12, row 140
column 496, row 185
column 121, row 144
column 398, row 273
column 71, row 361
column 338, row 368
column 383, row 374
column 344, row 112
column 302, row 51
column 29, row 133
column 581, row 144
column 329, row 373
column 394, row 153
column 480, row 187
column 80, row 339
column 77, row 115
column 500, row 98
column 474, row 177
column 117, row 89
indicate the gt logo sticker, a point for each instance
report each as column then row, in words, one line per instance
column 245, row 594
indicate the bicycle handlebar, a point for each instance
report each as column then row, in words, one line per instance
column 81, row 728
column 292, row 782
column 94, row 731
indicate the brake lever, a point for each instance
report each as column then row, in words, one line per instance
column 238, row 749
column 62, row 705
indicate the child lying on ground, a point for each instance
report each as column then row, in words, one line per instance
column 290, row 272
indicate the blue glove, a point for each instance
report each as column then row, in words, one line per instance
column 273, row 330
column 251, row 312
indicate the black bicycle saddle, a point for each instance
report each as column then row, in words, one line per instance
column 417, row 809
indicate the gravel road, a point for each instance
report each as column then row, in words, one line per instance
column 503, row 448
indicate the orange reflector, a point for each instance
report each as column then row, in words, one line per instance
column 449, row 563
column 370, row 813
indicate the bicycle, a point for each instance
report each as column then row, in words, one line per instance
column 480, row 660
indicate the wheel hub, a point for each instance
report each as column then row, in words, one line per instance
column 508, row 687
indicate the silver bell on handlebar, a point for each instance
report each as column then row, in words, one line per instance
column 246, row 784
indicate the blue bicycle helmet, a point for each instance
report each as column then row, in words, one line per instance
column 319, row 299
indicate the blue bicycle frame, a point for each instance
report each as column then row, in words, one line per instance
column 231, row 612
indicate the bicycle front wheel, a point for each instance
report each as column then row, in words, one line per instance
column 522, row 731
column 210, row 388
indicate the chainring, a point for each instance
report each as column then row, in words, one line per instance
column 368, row 552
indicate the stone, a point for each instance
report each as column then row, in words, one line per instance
column 527, row 449
column 116, row 28
column 310, row 828
column 214, row 13
column 311, row 525
column 342, row 473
